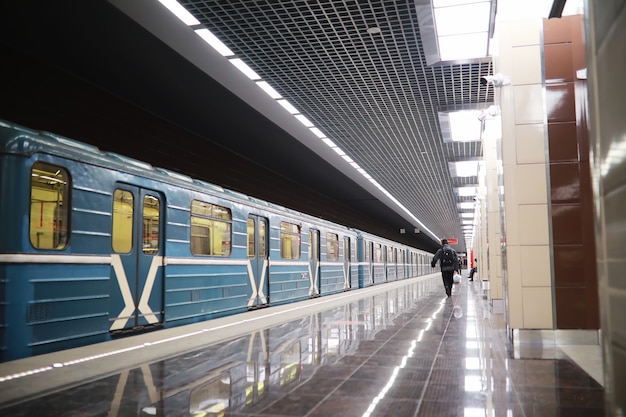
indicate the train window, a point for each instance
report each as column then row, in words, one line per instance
column 289, row 241
column 332, row 247
column 378, row 253
column 211, row 229
column 262, row 238
column 151, row 225
column 250, row 238
column 49, row 202
column 122, row 233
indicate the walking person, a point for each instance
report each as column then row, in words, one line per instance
column 448, row 260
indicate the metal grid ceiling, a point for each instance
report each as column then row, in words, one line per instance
column 372, row 94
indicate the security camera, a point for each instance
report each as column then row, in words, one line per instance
column 497, row 80
column 489, row 113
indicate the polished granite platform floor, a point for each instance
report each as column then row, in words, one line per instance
column 403, row 350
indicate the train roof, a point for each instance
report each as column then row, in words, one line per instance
column 19, row 140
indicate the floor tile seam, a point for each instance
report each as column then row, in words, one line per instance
column 356, row 369
column 432, row 367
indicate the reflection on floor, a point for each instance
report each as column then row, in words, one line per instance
column 408, row 351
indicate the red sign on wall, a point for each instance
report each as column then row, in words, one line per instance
column 453, row 241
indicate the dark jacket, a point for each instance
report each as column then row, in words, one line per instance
column 437, row 257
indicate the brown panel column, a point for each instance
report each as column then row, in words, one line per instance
column 575, row 276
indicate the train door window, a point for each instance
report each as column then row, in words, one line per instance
column 49, row 202
column 151, row 224
column 332, row 247
column 289, row 240
column 122, row 233
column 262, row 238
column 251, row 238
column 211, row 229
column 347, row 252
column 378, row 254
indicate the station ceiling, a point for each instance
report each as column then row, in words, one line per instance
column 131, row 78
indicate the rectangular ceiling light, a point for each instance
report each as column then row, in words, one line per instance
column 288, row 106
column 462, row 18
column 304, row 120
column 460, row 28
column 463, row 46
column 243, row 67
column 466, row 191
column 214, row 42
column 456, row 30
column 180, row 12
column 466, row 206
column 317, row 132
column 269, row 89
column 460, row 126
column 467, row 215
column 463, row 168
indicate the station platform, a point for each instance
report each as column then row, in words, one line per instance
column 397, row 349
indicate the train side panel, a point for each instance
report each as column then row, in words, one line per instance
column 96, row 246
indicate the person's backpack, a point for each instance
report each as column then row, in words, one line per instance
column 447, row 257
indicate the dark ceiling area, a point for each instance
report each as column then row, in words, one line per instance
column 86, row 70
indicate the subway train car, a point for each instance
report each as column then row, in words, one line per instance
column 95, row 245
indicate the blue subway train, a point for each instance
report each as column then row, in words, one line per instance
column 95, row 245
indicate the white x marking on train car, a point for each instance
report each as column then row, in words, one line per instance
column 129, row 304
column 313, row 289
column 257, row 291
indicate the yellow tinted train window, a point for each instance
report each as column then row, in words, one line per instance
column 262, row 238
column 251, row 238
column 289, row 241
column 210, row 229
column 332, row 247
column 49, row 206
column 122, row 233
column 151, row 225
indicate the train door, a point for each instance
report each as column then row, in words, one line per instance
column 347, row 282
column 258, row 254
column 314, row 262
column 385, row 261
column 137, row 243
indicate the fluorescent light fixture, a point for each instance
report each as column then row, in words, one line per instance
column 288, row 106
column 464, row 46
column 317, row 132
column 339, row 151
column 456, row 30
column 243, row 67
column 462, row 19
column 180, row 12
column 347, row 158
column 466, row 191
column 467, row 215
column 329, row 142
column 214, row 42
column 463, row 168
column 304, row 120
column 460, row 126
column 467, row 205
column 269, row 90
column 467, row 221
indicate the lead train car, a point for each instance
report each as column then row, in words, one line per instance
column 95, row 245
